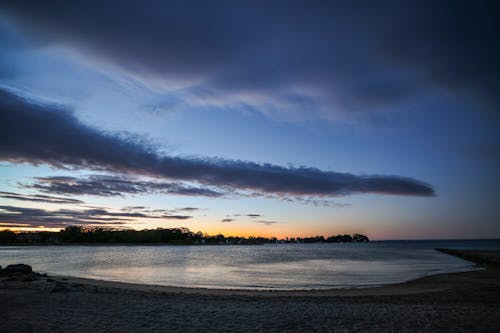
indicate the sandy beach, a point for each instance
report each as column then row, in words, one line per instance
column 460, row 302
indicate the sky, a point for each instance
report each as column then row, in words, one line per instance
column 270, row 118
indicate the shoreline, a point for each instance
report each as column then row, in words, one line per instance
column 418, row 285
column 448, row 302
column 344, row 290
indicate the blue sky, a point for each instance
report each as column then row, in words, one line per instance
column 323, row 118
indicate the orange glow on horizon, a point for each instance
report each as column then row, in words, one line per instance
column 30, row 229
column 231, row 229
column 227, row 232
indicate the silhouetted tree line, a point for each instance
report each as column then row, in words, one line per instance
column 75, row 234
column 335, row 239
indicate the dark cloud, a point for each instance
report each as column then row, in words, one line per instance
column 453, row 44
column 305, row 200
column 39, row 198
column 187, row 209
column 12, row 216
column 176, row 217
column 142, row 211
column 227, row 220
column 248, row 215
column 129, row 208
column 360, row 55
column 104, row 185
column 40, row 134
column 268, row 223
column 20, row 216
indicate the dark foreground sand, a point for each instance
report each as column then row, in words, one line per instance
column 462, row 302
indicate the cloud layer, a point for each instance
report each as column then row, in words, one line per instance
column 39, row 198
column 109, row 186
column 14, row 217
column 41, row 134
column 310, row 56
column 268, row 223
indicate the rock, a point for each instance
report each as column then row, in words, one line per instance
column 20, row 277
column 17, row 268
column 23, row 277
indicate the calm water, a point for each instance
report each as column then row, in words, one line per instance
column 283, row 266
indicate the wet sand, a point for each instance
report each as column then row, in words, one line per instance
column 461, row 302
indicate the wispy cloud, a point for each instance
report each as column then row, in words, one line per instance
column 325, row 58
column 162, row 212
column 268, row 223
column 313, row 201
column 108, row 186
column 12, row 216
column 39, row 198
column 41, row 134
column 186, row 209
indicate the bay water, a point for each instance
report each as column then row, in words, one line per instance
column 270, row 266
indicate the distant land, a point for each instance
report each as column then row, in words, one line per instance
column 180, row 236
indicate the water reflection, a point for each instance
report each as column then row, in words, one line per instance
column 287, row 266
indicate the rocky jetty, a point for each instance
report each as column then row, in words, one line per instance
column 480, row 257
